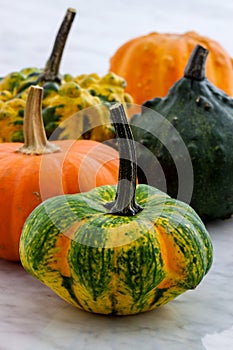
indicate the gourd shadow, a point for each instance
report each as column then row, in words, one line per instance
column 84, row 330
column 182, row 324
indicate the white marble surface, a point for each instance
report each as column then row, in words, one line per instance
column 32, row 316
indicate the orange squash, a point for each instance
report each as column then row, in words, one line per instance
column 36, row 170
column 152, row 63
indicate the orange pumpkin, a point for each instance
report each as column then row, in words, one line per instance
column 152, row 63
column 38, row 169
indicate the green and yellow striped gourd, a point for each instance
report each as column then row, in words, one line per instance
column 118, row 250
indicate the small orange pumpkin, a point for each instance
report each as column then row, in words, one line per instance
column 152, row 63
column 36, row 170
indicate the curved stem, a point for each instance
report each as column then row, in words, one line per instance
column 51, row 70
column 35, row 140
column 195, row 68
column 124, row 203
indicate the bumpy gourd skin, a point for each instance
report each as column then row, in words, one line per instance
column 109, row 264
column 13, row 82
column 61, row 101
column 203, row 116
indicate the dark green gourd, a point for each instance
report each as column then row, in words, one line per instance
column 195, row 119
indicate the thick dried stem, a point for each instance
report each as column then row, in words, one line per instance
column 51, row 70
column 35, row 140
column 124, row 203
column 195, row 69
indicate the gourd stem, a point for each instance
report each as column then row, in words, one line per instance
column 51, row 70
column 35, row 140
column 195, row 68
column 124, row 203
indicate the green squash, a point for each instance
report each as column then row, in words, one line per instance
column 193, row 125
column 117, row 250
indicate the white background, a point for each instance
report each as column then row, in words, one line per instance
column 28, row 28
